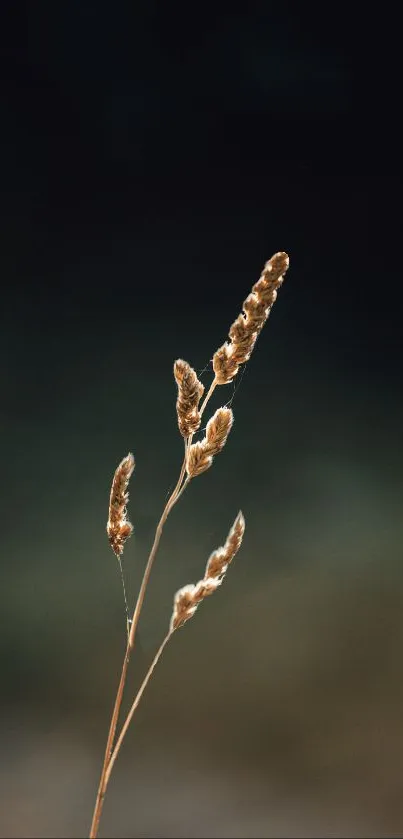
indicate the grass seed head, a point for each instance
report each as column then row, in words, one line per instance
column 247, row 326
column 118, row 527
column 190, row 391
column 188, row 598
column 200, row 455
column 220, row 559
column 217, row 430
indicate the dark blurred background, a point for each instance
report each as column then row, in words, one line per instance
column 153, row 157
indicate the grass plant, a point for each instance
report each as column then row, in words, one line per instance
column 198, row 458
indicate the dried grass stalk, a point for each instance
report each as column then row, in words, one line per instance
column 246, row 328
column 188, row 598
column 190, row 391
column 198, row 458
column 200, row 455
column 118, row 527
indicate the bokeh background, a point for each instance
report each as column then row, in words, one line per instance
column 153, row 157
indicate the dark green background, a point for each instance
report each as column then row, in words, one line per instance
column 153, row 158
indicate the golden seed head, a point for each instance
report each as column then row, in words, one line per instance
column 190, row 391
column 184, row 607
column 188, row 598
column 217, row 429
column 224, row 365
column 247, row 326
column 200, row 454
column 198, row 460
column 118, row 527
column 220, row 559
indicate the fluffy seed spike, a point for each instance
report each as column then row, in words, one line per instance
column 118, row 527
column 221, row 558
column 190, row 391
column 248, row 325
column 224, row 366
column 217, row 430
column 188, row 598
column 198, row 460
column 200, row 455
